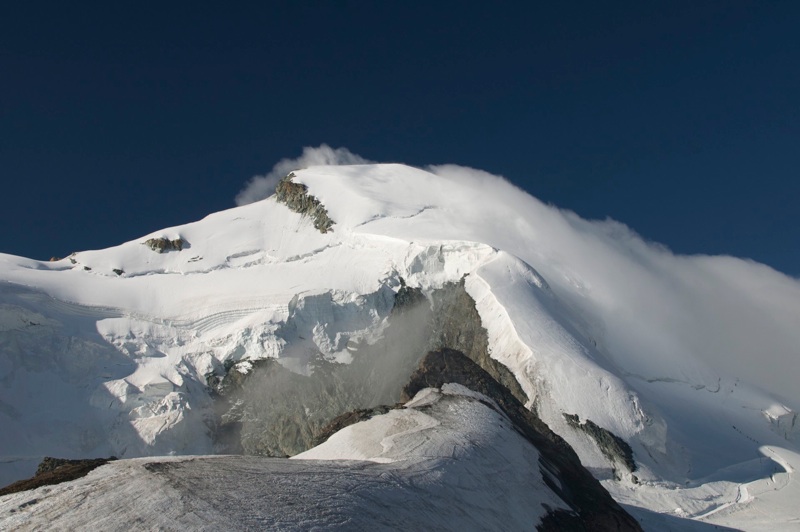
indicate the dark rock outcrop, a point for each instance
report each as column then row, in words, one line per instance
column 593, row 507
column 612, row 446
column 162, row 244
column 296, row 197
column 457, row 325
column 407, row 298
column 55, row 471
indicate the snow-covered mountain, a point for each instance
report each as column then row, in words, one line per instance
column 672, row 377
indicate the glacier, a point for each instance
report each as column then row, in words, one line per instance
column 690, row 360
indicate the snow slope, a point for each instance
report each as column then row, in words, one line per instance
column 457, row 464
column 691, row 360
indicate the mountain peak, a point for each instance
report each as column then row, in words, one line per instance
column 294, row 297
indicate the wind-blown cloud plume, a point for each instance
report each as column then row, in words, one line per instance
column 263, row 186
column 654, row 315
column 654, row 312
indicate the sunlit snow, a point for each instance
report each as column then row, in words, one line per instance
column 692, row 360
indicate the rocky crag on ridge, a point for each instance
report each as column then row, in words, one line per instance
column 296, row 197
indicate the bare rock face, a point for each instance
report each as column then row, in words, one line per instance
column 55, row 471
column 296, row 197
column 161, row 245
column 272, row 411
column 457, row 325
column 612, row 446
column 592, row 506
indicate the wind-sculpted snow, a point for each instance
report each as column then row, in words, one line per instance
column 690, row 360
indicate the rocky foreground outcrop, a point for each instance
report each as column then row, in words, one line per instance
column 53, row 471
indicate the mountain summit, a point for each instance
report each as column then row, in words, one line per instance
column 265, row 329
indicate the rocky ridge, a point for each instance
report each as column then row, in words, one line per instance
column 593, row 507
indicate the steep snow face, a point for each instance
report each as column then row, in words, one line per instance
column 455, row 426
column 691, row 360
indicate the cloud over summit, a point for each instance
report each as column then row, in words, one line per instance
column 262, row 186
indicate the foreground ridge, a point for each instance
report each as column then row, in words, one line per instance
column 483, row 461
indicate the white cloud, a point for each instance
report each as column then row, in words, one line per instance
column 657, row 314
column 263, row 186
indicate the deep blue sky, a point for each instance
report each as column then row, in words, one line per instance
column 680, row 119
